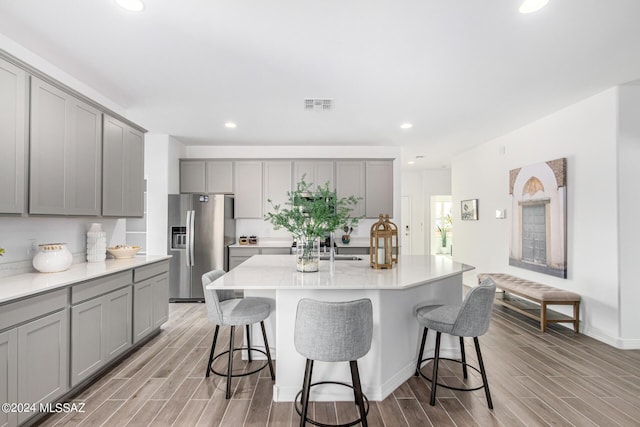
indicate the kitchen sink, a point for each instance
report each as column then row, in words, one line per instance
column 324, row 257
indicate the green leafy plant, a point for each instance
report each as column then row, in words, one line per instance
column 1, row 251
column 443, row 229
column 310, row 213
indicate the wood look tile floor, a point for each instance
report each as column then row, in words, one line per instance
column 536, row 379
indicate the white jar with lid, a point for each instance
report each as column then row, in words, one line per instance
column 52, row 258
column 96, row 243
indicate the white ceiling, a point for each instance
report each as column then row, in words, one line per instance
column 462, row 71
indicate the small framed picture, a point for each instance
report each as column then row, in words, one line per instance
column 469, row 210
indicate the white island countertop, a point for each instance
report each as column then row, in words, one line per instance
column 279, row 272
column 24, row 285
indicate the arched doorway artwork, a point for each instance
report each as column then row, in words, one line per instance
column 538, row 229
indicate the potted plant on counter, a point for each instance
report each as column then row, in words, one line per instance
column 309, row 215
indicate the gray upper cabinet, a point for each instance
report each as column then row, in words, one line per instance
column 65, row 153
column 248, row 194
column 379, row 188
column 123, row 170
column 192, row 176
column 316, row 172
column 202, row 176
column 277, row 183
column 219, row 176
column 13, row 138
column 350, row 181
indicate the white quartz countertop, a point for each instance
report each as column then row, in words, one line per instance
column 279, row 272
column 24, row 285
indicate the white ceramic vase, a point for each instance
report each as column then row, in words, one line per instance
column 52, row 258
column 96, row 243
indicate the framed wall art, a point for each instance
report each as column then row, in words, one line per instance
column 539, row 222
column 469, row 210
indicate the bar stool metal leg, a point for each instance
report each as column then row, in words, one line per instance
column 434, row 380
column 483, row 373
column 464, row 359
column 213, row 349
column 357, row 391
column 424, row 339
column 230, row 365
column 248, row 342
column 266, row 349
column 306, row 386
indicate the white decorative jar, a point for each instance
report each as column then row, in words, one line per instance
column 52, row 258
column 96, row 243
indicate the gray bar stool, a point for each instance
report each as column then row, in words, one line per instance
column 333, row 332
column 223, row 308
column 471, row 319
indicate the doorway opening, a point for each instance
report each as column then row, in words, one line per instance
column 441, row 231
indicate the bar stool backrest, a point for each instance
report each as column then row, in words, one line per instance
column 475, row 312
column 333, row 331
column 213, row 298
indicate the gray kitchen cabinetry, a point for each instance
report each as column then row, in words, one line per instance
column 9, row 375
column 350, row 181
column 101, row 323
column 65, row 153
column 239, row 255
column 316, row 172
column 33, row 352
column 353, row 250
column 379, row 188
column 150, row 298
column 277, row 183
column 123, row 169
column 206, row 176
column 248, row 189
column 13, row 141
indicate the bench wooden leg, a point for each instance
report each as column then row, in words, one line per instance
column 543, row 316
column 576, row 316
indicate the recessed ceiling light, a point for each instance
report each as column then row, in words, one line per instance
column 530, row 6
column 411, row 162
column 131, row 5
column 406, row 126
column 230, row 125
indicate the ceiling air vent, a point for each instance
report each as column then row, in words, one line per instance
column 317, row 104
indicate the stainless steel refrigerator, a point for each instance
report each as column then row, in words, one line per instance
column 201, row 227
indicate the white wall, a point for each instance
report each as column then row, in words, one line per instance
column 629, row 206
column 584, row 133
column 263, row 229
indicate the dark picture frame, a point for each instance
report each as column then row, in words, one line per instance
column 469, row 210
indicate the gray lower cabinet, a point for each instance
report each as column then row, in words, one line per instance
column 123, row 169
column 239, row 255
column 65, row 154
column 43, row 357
column 353, row 250
column 150, row 299
column 100, row 330
column 13, row 139
column 9, row 375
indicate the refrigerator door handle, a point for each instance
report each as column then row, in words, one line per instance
column 188, row 239
column 191, row 242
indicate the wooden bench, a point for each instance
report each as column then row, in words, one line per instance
column 541, row 294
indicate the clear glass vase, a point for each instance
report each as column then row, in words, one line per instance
column 308, row 254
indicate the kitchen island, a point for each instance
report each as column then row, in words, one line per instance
column 417, row 280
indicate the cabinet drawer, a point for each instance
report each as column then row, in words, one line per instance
column 245, row 252
column 275, row 251
column 18, row 312
column 143, row 273
column 94, row 288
